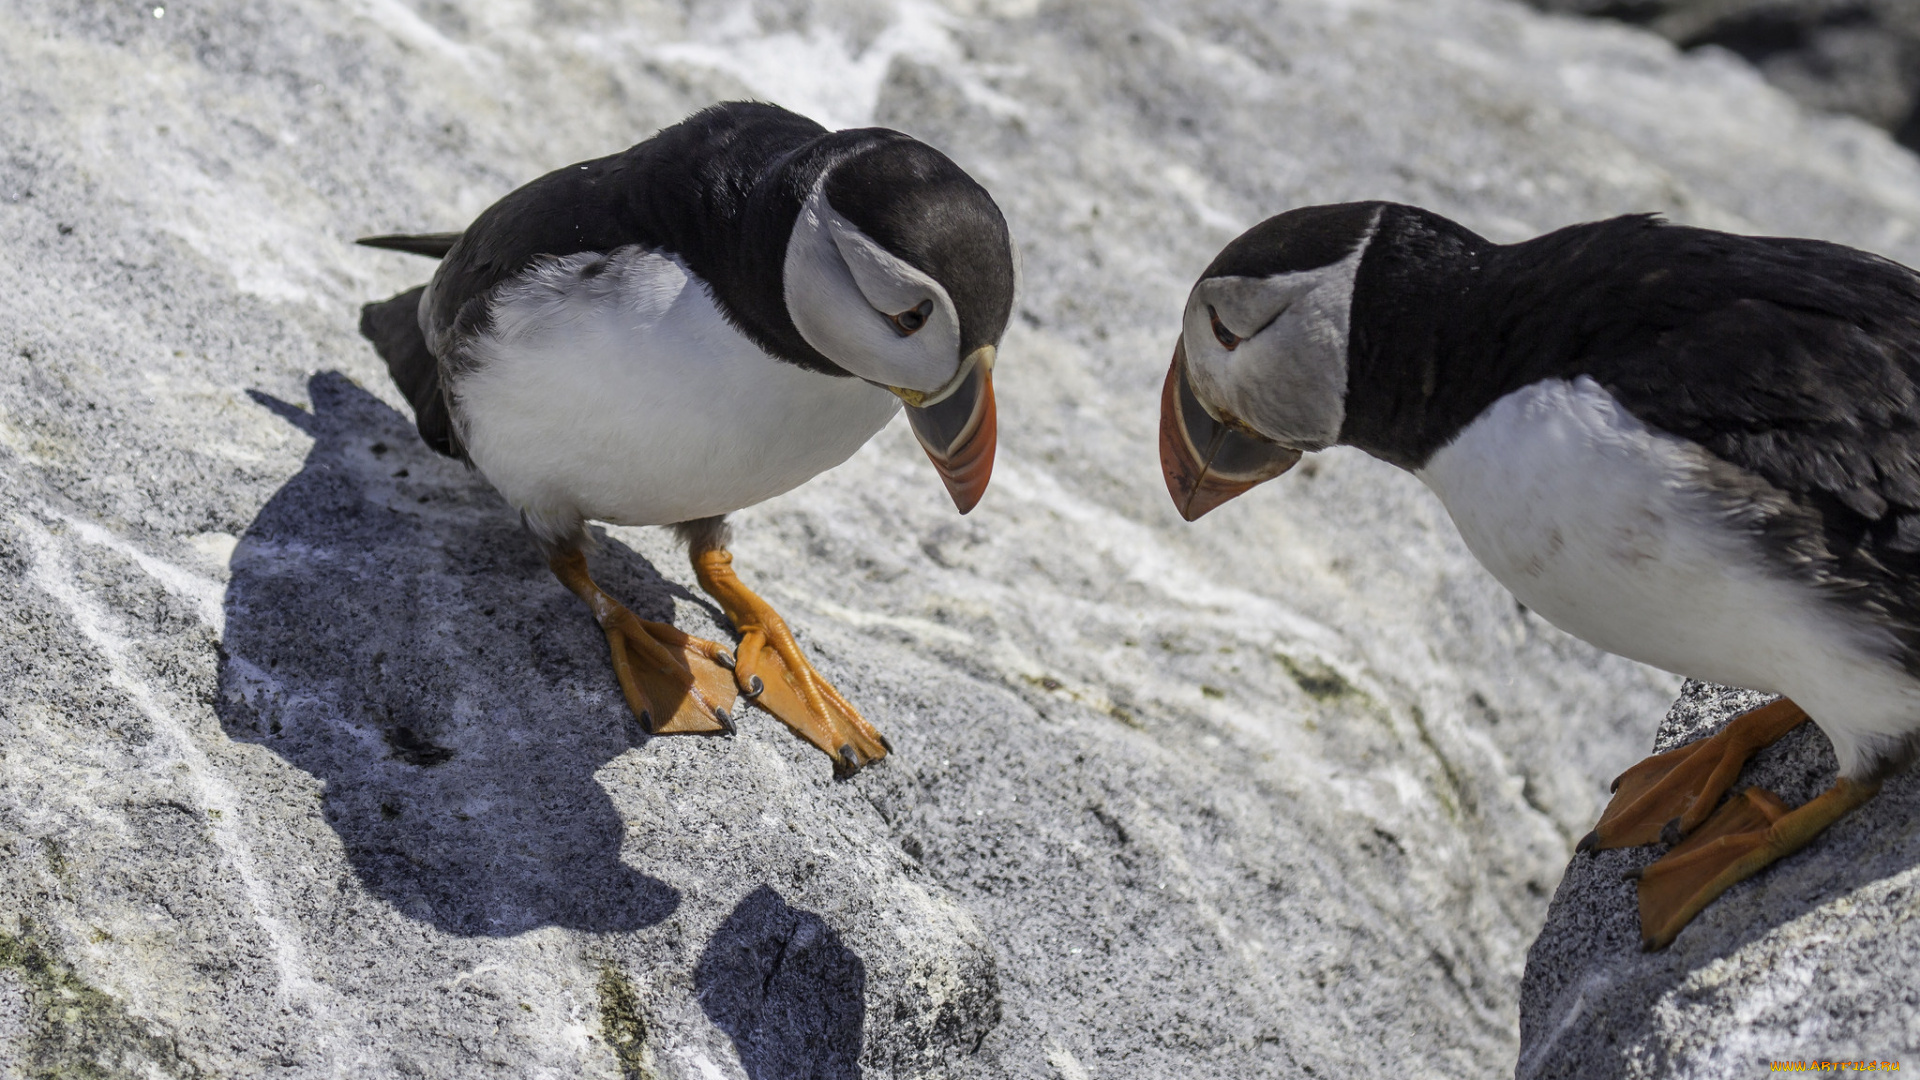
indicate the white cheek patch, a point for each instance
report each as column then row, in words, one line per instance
column 888, row 283
column 840, row 288
column 1247, row 305
column 1287, row 379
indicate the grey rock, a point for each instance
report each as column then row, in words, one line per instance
column 1805, row 961
column 1860, row 57
column 307, row 768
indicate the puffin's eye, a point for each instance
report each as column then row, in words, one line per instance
column 1227, row 338
column 913, row 318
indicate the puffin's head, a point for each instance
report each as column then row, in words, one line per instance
column 900, row 270
column 1259, row 375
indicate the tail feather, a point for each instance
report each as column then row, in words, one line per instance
column 393, row 325
column 432, row 245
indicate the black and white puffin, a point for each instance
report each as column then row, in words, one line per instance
column 692, row 326
column 1694, row 449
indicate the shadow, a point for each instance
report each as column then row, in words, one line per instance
column 781, row 985
column 1593, row 1004
column 391, row 631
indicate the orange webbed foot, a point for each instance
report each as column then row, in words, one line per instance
column 674, row 683
column 1753, row 830
column 774, row 674
column 1668, row 796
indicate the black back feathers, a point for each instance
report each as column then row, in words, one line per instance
column 1698, row 333
column 692, row 189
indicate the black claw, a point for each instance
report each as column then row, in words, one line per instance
column 1587, row 843
column 755, row 687
column 726, row 720
column 847, row 755
column 1670, row 832
column 725, row 660
column 646, row 720
column 1615, row 786
column 885, row 745
column 1634, row 874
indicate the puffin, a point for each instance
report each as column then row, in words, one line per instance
column 692, row 326
column 1694, row 449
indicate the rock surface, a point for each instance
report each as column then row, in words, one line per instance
column 1809, row 960
column 1860, row 57
column 309, row 769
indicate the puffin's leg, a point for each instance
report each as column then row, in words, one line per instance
column 1753, row 829
column 674, row 683
column 771, row 670
column 1668, row 795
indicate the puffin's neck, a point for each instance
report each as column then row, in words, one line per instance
column 1405, row 392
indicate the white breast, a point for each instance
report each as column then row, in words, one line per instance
column 1603, row 526
column 626, row 396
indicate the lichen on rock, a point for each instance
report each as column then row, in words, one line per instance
column 54, row 1024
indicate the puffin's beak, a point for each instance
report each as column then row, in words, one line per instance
column 1205, row 461
column 957, row 431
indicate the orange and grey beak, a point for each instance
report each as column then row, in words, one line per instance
column 1205, row 461
column 957, row 430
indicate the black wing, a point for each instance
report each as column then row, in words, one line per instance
column 1797, row 363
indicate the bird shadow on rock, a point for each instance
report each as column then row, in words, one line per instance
column 781, row 985
column 1592, row 1002
column 391, row 631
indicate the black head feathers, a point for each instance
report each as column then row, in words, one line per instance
column 915, row 202
column 1304, row 239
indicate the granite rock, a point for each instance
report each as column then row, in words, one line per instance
column 308, row 768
